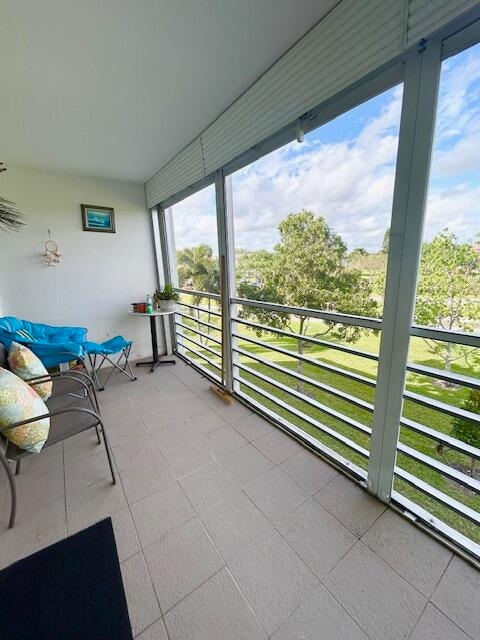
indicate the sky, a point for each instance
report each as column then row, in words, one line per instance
column 344, row 171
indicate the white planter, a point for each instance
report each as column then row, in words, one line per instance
column 166, row 305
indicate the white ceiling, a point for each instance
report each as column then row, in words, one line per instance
column 115, row 88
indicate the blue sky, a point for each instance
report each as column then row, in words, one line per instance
column 345, row 171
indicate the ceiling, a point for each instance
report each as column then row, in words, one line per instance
column 115, row 88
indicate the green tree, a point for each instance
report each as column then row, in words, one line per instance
column 386, row 241
column 251, row 265
column 447, row 293
column 198, row 269
column 308, row 269
column 467, row 430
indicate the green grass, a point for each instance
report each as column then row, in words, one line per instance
column 421, row 384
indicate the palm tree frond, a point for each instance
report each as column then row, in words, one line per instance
column 10, row 217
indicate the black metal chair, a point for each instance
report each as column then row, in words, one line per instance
column 72, row 408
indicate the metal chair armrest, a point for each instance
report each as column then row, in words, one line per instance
column 51, row 414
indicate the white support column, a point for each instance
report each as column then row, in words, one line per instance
column 157, row 249
column 226, row 251
column 422, row 72
column 169, row 263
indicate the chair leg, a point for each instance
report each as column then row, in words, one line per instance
column 98, row 435
column 13, row 491
column 18, row 467
column 126, row 369
column 93, row 364
column 109, row 453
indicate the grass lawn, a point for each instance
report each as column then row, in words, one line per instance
column 370, row 342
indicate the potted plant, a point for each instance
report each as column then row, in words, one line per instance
column 165, row 299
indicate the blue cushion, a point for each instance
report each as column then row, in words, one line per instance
column 44, row 340
column 114, row 345
column 43, row 333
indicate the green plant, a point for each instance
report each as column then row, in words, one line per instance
column 167, row 293
column 10, row 218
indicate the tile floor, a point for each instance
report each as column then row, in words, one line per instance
column 228, row 529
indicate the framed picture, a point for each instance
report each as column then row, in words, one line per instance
column 98, row 218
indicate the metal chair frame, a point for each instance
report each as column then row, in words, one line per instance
column 98, row 425
column 125, row 369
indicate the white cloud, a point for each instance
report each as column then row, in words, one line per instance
column 349, row 180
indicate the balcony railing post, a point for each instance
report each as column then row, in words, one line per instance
column 422, row 71
column 169, row 261
column 226, row 250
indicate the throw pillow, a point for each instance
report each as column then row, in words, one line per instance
column 27, row 365
column 19, row 401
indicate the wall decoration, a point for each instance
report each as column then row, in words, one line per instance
column 51, row 255
column 98, row 218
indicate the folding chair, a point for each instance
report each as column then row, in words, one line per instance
column 98, row 353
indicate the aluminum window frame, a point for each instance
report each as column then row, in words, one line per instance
column 419, row 69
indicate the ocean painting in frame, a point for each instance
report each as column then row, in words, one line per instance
column 98, row 218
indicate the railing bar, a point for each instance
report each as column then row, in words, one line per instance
column 441, row 467
column 313, row 403
column 197, row 321
column 328, row 367
column 453, row 443
column 446, row 335
column 431, row 403
column 323, row 343
column 203, row 309
column 435, row 523
column 319, row 385
column 196, row 365
column 202, row 346
column 410, row 452
column 457, row 378
column 339, row 318
column 303, row 435
column 198, row 294
column 186, row 327
column 438, row 495
column 303, row 416
column 200, row 355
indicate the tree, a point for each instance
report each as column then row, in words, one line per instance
column 251, row 265
column 448, row 292
column 198, row 269
column 386, row 241
column 10, row 218
column 467, row 430
column 307, row 268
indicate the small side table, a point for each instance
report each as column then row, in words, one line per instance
column 157, row 360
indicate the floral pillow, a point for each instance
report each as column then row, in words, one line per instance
column 27, row 365
column 19, row 401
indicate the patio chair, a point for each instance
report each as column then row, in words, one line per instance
column 57, row 345
column 98, row 353
column 72, row 409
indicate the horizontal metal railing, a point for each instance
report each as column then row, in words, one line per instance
column 198, row 294
column 329, row 316
column 198, row 321
column 265, row 383
column 201, row 309
column 188, row 326
column 278, row 391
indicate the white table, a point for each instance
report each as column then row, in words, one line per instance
column 157, row 360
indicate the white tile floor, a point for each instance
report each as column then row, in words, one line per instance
column 228, row 529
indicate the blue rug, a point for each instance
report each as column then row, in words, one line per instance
column 72, row 590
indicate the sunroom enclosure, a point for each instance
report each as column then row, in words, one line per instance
column 366, row 423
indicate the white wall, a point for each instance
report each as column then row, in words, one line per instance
column 100, row 274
